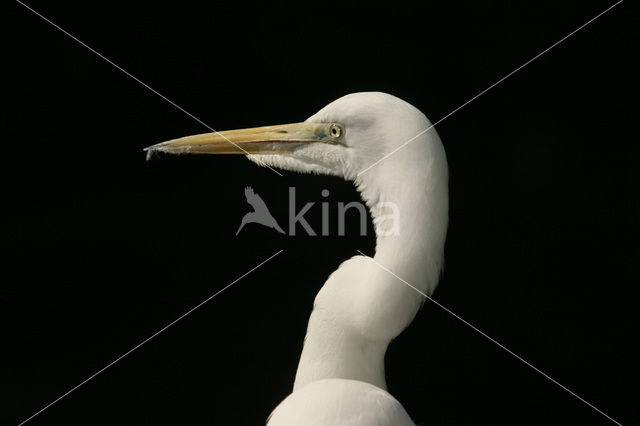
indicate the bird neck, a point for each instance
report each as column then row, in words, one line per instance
column 363, row 306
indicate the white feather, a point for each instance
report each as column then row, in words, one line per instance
column 339, row 402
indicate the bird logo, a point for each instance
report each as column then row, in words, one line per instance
column 260, row 213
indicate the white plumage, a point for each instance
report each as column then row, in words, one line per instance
column 362, row 307
column 340, row 402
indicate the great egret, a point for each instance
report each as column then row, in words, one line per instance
column 361, row 307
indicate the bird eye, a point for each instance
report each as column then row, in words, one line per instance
column 335, row 131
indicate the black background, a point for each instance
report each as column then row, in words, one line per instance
column 104, row 248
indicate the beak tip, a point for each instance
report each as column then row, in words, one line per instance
column 159, row 147
column 149, row 150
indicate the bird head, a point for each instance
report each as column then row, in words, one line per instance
column 341, row 139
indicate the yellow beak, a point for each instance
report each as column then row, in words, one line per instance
column 258, row 140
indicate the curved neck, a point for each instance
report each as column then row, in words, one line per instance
column 362, row 306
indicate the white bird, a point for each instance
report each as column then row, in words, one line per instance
column 362, row 306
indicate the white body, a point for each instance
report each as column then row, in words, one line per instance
column 340, row 402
